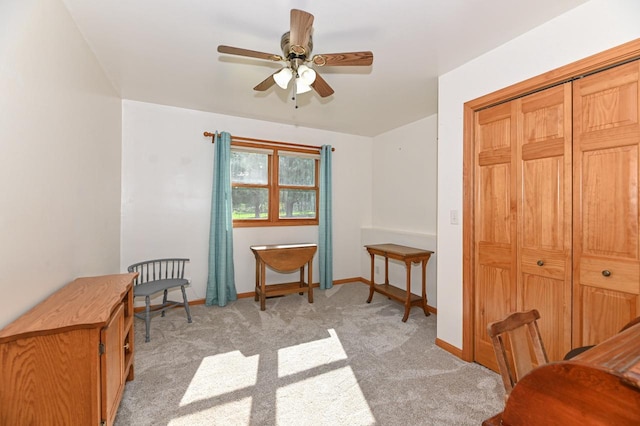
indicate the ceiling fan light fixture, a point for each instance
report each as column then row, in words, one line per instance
column 283, row 77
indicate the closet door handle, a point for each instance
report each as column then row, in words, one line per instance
column 606, row 273
column 539, row 263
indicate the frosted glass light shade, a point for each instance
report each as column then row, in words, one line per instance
column 283, row 77
column 306, row 74
column 301, row 87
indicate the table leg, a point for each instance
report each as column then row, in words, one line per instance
column 424, row 288
column 263, row 286
column 257, row 289
column 407, row 302
column 372, row 283
column 386, row 270
column 310, row 289
column 301, row 279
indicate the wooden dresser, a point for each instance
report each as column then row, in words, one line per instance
column 66, row 360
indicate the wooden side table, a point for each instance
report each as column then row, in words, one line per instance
column 408, row 255
column 283, row 258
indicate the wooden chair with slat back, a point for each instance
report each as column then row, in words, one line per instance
column 155, row 276
column 524, row 350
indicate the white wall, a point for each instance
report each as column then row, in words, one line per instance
column 167, row 168
column 586, row 30
column 59, row 157
column 405, row 176
column 404, row 200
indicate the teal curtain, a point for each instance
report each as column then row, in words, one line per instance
column 325, row 228
column 221, row 286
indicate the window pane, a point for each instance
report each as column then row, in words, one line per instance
column 298, row 171
column 249, row 167
column 297, row 203
column 250, row 203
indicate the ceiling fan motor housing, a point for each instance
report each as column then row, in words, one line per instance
column 295, row 52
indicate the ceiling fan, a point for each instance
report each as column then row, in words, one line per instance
column 297, row 44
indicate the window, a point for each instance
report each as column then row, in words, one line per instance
column 274, row 186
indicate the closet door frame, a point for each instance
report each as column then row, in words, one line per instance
column 598, row 62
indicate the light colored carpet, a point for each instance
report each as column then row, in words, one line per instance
column 338, row 361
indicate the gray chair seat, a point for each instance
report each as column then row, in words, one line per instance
column 152, row 287
column 155, row 276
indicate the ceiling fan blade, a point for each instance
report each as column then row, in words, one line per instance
column 322, row 87
column 266, row 83
column 300, row 31
column 345, row 58
column 250, row 53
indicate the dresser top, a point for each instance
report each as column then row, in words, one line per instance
column 84, row 303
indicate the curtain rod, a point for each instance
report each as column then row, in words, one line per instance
column 243, row 139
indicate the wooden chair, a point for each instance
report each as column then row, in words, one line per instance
column 155, row 276
column 523, row 350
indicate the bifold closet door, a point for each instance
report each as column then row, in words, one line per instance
column 522, row 217
column 495, row 242
column 606, row 224
column 544, row 213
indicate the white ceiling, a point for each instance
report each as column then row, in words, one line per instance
column 164, row 52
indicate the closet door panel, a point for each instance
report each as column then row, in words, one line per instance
column 608, row 312
column 494, row 302
column 544, row 213
column 494, row 225
column 543, row 293
column 593, row 273
column 606, row 222
column 543, row 204
column 609, row 181
column 554, row 266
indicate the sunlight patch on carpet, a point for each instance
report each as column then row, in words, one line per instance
column 235, row 412
column 221, row 374
column 326, row 399
column 306, row 356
